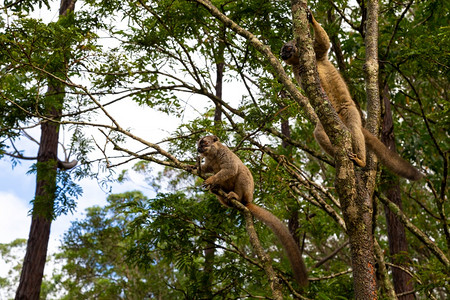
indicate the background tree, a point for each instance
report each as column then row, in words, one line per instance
column 93, row 254
column 46, row 173
column 36, row 59
column 11, row 257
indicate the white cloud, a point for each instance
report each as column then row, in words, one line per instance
column 14, row 220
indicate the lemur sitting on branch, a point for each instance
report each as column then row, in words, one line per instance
column 236, row 180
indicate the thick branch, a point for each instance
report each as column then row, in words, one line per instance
column 371, row 68
column 67, row 165
column 383, row 271
column 415, row 231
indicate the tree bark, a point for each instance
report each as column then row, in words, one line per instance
column 355, row 199
column 219, row 83
column 34, row 262
column 286, row 131
column 285, row 128
column 385, row 281
column 396, row 231
column 36, row 254
column 365, row 284
column 209, row 253
column 220, row 64
column 43, row 207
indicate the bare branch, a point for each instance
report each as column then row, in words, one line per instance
column 397, row 23
column 385, row 281
column 331, row 255
column 344, row 17
column 415, row 231
column 331, row 276
column 66, row 165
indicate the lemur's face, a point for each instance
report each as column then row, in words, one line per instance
column 289, row 53
column 205, row 143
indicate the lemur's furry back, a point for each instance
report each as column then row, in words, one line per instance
column 235, row 179
column 339, row 95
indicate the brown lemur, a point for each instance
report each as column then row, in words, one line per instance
column 236, row 180
column 339, row 95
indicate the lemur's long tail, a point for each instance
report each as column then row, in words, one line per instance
column 286, row 239
column 390, row 159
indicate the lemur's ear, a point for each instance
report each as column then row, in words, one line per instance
column 215, row 138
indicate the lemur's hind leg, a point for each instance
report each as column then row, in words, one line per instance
column 352, row 120
column 358, row 154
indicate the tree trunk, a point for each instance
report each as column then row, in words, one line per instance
column 220, row 64
column 396, row 231
column 43, row 205
column 286, row 131
column 360, row 232
column 219, row 83
column 36, row 254
column 209, row 254
column 34, row 262
column 355, row 199
column 294, row 226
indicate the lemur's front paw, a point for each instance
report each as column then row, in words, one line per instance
column 353, row 157
column 208, row 184
column 232, row 195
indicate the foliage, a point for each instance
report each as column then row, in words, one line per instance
column 136, row 247
column 11, row 254
column 93, row 256
column 64, row 189
column 35, row 55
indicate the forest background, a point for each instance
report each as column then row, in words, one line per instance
column 97, row 81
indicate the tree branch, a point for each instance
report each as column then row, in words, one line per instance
column 274, row 281
column 415, row 231
column 331, row 255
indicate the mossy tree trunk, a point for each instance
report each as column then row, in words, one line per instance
column 46, row 176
